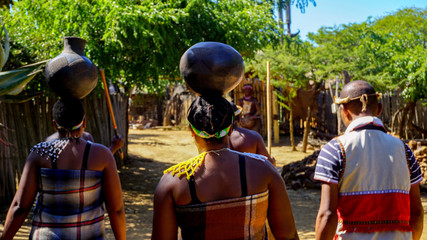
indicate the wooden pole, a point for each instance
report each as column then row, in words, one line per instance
column 268, row 109
column 264, row 108
column 337, row 85
column 276, row 119
column 110, row 108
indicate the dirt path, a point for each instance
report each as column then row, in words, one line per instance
column 153, row 150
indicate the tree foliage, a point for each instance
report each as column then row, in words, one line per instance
column 137, row 42
column 390, row 52
column 290, row 63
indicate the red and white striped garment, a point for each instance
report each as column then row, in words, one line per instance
column 374, row 172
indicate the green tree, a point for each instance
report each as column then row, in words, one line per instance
column 390, row 52
column 139, row 42
column 291, row 69
column 136, row 42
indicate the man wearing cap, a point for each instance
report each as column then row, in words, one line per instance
column 371, row 179
column 250, row 109
column 245, row 140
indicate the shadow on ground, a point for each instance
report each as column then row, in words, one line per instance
column 139, row 178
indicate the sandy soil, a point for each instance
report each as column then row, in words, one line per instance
column 153, row 150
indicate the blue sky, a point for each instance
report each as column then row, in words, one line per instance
column 336, row 12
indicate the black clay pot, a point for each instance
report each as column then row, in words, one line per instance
column 71, row 74
column 212, row 68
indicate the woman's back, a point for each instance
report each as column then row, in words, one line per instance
column 220, row 194
column 69, row 201
column 233, row 209
column 72, row 180
column 220, row 178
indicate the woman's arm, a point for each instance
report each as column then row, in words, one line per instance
column 23, row 200
column 280, row 215
column 165, row 226
column 113, row 197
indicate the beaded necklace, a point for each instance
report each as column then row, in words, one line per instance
column 52, row 148
column 190, row 166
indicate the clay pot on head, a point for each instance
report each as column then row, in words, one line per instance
column 71, row 74
column 212, row 68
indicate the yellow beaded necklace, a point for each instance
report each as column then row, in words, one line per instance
column 189, row 167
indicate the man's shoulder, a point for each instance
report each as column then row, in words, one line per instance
column 252, row 156
column 52, row 137
column 380, row 135
column 87, row 136
column 248, row 132
column 333, row 145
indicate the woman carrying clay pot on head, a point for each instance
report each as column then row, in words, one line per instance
column 72, row 178
column 221, row 193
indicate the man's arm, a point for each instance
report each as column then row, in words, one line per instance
column 116, row 144
column 262, row 150
column 417, row 212
column 327, row 218
column 416, row 208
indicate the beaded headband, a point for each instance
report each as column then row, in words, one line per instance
column 204, row 134
column 247, row 87
column 73, row 128
column 363, row 98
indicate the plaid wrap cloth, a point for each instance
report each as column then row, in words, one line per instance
column 237, row 218
column 69, row 205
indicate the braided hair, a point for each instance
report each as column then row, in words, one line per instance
column 211, row 114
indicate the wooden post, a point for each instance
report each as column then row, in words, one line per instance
column 276, row 119
column 337, row 85
column 264, row 109
column 268, row 109
column 306, row 129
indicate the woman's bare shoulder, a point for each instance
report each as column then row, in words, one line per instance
column 169, row 184
column 99, row 147
column 101, row 153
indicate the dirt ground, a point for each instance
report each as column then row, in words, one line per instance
column 153, row 150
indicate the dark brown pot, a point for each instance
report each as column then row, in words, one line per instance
column 212, row 68
column 71, row 74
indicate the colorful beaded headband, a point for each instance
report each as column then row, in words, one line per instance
column 73, row 128
column 204, row 134
column 247, row 87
